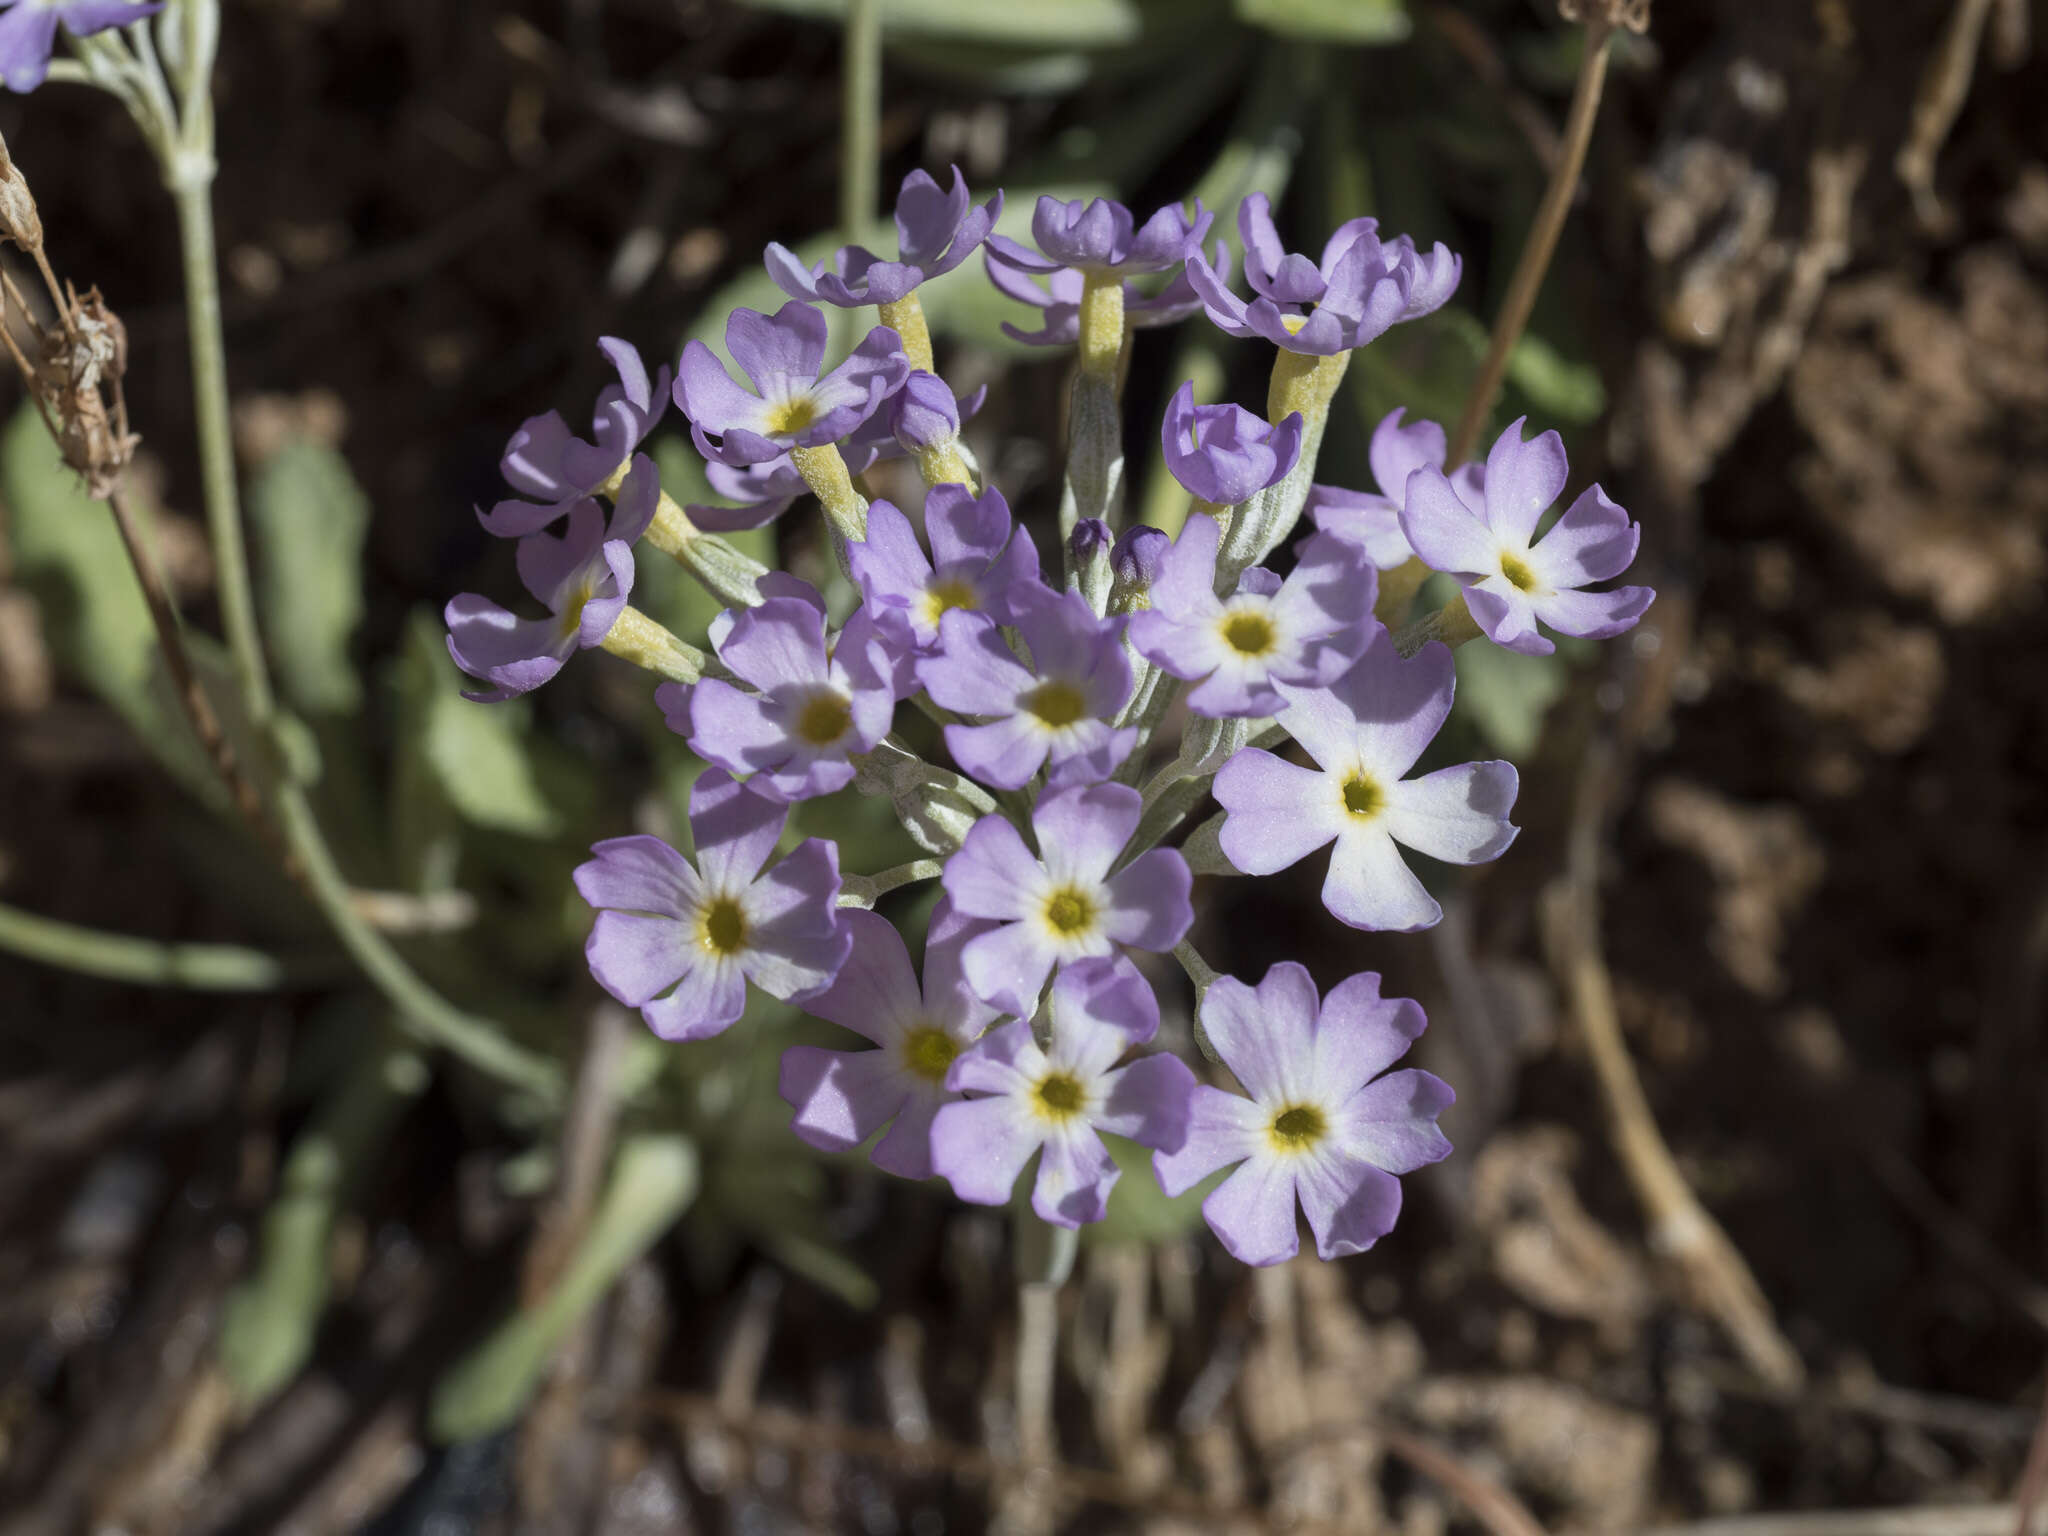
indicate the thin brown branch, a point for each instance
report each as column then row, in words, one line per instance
column 1488, row 1503
column 1542, row 242
column 1680, row 1228
column 192, row 696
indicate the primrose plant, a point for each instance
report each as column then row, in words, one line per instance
column 1087, row 708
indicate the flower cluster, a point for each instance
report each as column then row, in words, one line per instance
column 1086, row 712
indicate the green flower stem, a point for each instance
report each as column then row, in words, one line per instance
column 1299, row 383
column 194, row 197
column 860, row 123
column 866, row 890
column 480, row 1042
column 1044, row 1257
column 638, row 639
column 906, row 318
column 149, row 963
column 1451, row 624
column 715, row 564
column 825, row 472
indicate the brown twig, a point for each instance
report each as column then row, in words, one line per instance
column 1680, row 1228
column 191, row 693
column 1492, row 1506
column 1944, row 87
column 1542, row 242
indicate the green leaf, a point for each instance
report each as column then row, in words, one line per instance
column 1330, row 21
column 1557, row 387
column 70, row 557
column 652, row 1184
column 477, row 755
column 310, row 518
column 1063, row 24
column 1506, row 695
column 270, row 1319
column 1139, row 1210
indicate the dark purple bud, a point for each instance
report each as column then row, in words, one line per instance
column 1088, row 549
column 1136, row 563
column 924, row 412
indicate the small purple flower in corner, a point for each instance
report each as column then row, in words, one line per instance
column 1364, row 732
column 585, row 578
column 842, row 1098
column 28, row 32
column 1058, row 1100
column 680, row 941
column 1066, row 906
column 791, row 405
column 936, row 230
column 1320, row 1124
column 1512, row 579
column 548, row 464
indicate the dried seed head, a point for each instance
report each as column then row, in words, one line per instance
column 19, row 220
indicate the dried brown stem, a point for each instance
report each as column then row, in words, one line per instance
column 1542, row 242
column 1492, row 1506
column 1680, row 1228
column 192, row 696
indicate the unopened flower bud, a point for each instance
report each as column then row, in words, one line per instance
column 1090, row 545
column 924, row 413
column 1135, row 563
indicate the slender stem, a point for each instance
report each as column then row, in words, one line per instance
column 217, row 447
column 425, row 1012
column 860, row 117
column 866, row 890
column 1542, row 241
column 148, row 962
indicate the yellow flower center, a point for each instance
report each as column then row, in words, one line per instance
column 1363, row 797
column 928, row 1052
column 791, row 416
column 722, row 927
column 1056, row 704
column 1517, row 571
column 1070, row 912
column 946, row 594
column 1249, row 633
column 1060, row 1096
column 569, row 618
column 1294, row 323
column 824, row 718
column 1297, row 1128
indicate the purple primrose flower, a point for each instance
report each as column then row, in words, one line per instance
column 1057, row 710
column 547, row 463
column 1060, row 300
column 1061, row 1098
column 1373, row 522
column 1512, row 579
column 842, row 1098
column 790, row 406
column 814, row 707
column 1361, row 288
column 935, row 231
column 764, row 492
column 1319, row 1126
column 1063, row 904
column 1364, row 732
column 680, row 942
column 1306, row 630
column 584, row 577
column 1102, row 236
column 980, row 562
column 28, row 32
column 1223, row 453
